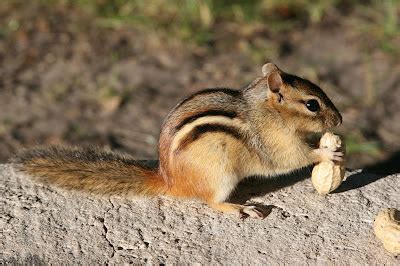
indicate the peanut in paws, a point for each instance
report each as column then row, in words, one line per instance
column 329, row 174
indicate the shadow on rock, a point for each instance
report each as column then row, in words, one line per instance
column 259, row 186
column 389, row 166
column 358, row 180
column 372, row 173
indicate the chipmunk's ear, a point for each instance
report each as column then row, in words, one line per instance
column 268, row 68
column 270, row 86
column 274, row 82
column 274, row 78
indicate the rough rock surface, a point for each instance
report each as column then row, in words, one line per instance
column 43, row 224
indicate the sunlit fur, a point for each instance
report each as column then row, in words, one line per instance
column 91, row 170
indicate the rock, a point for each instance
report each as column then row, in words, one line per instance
column 41, row 224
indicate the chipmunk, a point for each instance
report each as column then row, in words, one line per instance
column 209, row 142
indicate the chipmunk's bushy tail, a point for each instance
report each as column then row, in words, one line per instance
column 92, row 170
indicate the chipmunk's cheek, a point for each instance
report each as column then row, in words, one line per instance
column 316, row 125
column 320, row 127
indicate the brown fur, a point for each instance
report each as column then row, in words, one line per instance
column 209, row 142
column 91, row 170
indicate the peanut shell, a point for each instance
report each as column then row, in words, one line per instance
column 327, row 176
column 387, row 229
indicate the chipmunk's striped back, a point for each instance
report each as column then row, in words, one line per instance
column 208, row 111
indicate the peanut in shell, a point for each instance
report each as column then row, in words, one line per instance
column 387, row 229
column 327, row 176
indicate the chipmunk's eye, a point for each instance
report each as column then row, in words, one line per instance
column 312, row 105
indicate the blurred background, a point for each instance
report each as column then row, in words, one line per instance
column 106, row 72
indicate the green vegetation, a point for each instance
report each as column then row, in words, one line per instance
column 197, row 20
column 356, row 144
column 204, row 22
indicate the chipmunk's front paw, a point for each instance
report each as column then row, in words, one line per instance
column 250, row 211
column 326, row 154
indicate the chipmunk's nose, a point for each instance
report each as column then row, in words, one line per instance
column 335, row 119
column 339, row 120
